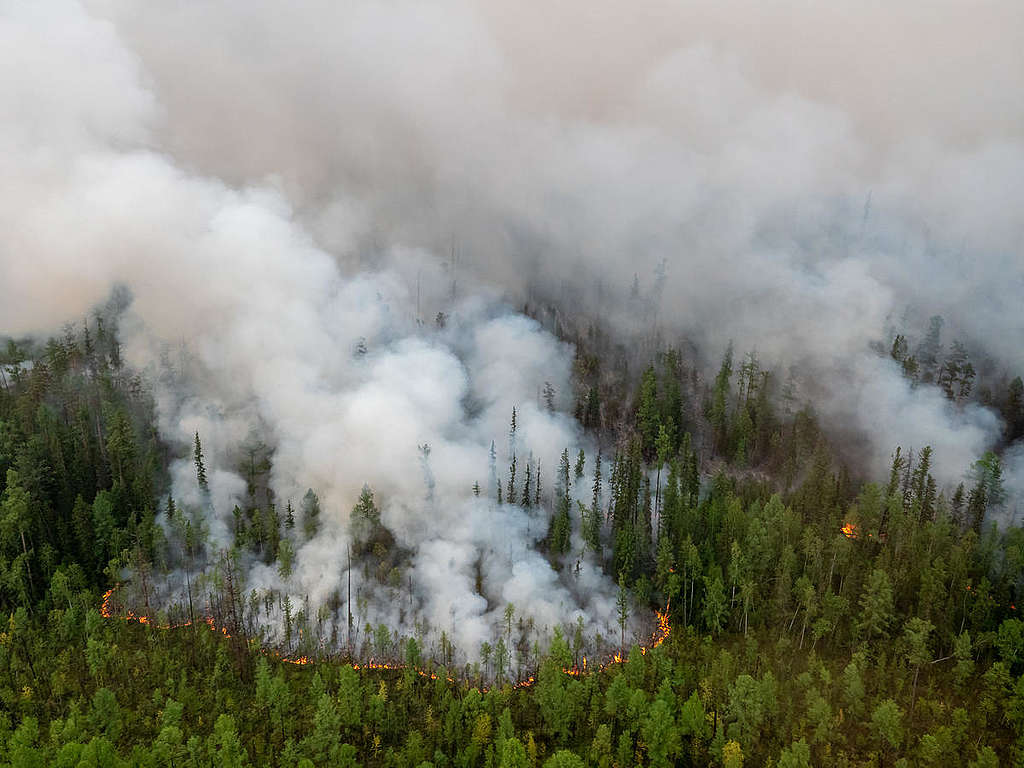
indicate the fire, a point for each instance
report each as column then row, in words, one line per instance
column 105, row 606
column 664, row 627
column 849, row 530
column 576, row 671
column 106, row 610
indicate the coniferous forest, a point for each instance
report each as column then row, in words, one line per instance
column 484, row 384
column 815, row 618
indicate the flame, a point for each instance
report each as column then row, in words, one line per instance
column 106, row 610
column 849, row 530
column 664, row 627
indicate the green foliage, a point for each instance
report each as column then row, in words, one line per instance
column 876, row 605
column 887, row 724
column 791, row 643
column 563, row 758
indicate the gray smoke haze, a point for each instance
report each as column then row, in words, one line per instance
column 275, row 187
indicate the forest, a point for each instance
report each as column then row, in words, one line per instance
column 813, row 618
column 480, row 384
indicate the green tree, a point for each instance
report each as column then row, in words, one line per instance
column 732, row 755
column 1010, row 641
column 225, row 746
column 852, row 684
column 197, row 457
column 554, row 692
column 622, row 610
column 715, row 602
column 876, row 605
column 324, row 744
column 105, row 714
column 796, row 755
column 963, row 652
column 648, row 418
column 285, row 558
column 887, row 724
column 692, row 718
column 659, row 734
column 915, row 640
column 719, row 413
column 563, row 758
column 513, row 754
column 21, row 746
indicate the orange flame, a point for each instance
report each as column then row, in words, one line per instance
column 849, row 531
column 664, row 627
column 660, row 635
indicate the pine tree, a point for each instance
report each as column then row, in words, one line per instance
column 364, row 519
column 536, row 496
column 923, row 486
column 664, row 448
column 876, row 605
column 595, row 518
column 510, row 495
column 719, row 414
column 622, row 610
column 898, row 464
column 200, row 467
column 528, row 486
column 672, row 400
column 647, row 414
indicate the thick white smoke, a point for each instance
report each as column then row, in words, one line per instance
column 336, row 372
column 805, row 172
column 273, row 188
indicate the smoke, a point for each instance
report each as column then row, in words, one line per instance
column 805, row 173
column 283, row 191
column 334, row 371
column 1012, row 511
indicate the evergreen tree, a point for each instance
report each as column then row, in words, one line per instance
column 365, row 520
column 647, row 414
column 876, row 605
column 719, row 413
column 197, row 455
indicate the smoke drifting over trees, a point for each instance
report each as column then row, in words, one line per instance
column 288, row 197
